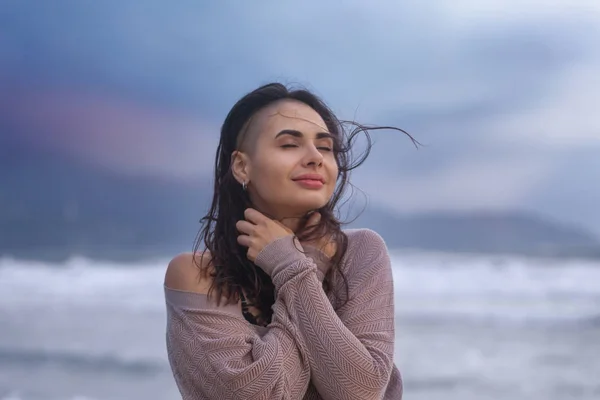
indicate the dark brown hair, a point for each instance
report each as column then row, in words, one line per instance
column 233, row 271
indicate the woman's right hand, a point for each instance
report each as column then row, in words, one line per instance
column 257, row 231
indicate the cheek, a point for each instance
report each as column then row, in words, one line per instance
column 270, row 172
column 333, row 172
column 333, row 185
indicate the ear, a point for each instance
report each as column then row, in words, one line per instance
column 240, row 166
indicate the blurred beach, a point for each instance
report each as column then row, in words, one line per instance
column 110, row 115
column 468, row 327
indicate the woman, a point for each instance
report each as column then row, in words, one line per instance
column 282, row 303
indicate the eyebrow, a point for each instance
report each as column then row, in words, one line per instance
column 298, row 134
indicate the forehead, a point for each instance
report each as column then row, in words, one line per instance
column 288, row 114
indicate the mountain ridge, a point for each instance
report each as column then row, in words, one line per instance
column 52, row 207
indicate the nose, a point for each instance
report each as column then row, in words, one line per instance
column 313, row 157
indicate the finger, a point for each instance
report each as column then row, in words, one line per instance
column 244, row 240
column 254, row 216
column 314, row 219
column 251, row 254
column 245, row 227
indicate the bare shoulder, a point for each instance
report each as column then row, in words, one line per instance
column 189, row 272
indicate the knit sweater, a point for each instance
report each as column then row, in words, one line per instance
column 315, row 346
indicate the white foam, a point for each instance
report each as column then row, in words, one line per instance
column 491, row 288
column 82, row 281
column 437, row 274
column 434, row 285
column 15, row 396
column 11, row 396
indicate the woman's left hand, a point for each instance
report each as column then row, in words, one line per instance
column 258, row 230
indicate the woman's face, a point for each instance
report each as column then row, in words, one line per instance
column 287, row 160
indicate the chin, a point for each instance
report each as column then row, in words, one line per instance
column 296, row 203
column 308, row 205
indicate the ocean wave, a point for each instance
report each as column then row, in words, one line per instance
column 81, row 281
column 78, row 362
column 15, row 395
column 459, row 319
column 80, row 262
column 424, row 283
column 458, row 275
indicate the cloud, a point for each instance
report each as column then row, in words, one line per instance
column 502, row 92
column 510, row 10
column 564, row 119
column 476, row 182
column 206, row 56
column 116, row 134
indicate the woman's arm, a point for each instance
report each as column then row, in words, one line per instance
column 215, row 353
column 351, row 351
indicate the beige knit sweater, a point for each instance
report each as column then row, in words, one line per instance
column 312, row 349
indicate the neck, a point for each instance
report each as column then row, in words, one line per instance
column 293, row 223
column 292, row 220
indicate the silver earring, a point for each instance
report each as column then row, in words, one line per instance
column 244, row 186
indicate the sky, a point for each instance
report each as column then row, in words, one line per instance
column 504, row 95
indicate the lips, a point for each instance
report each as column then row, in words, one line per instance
column 310, row 177
column 310, row 181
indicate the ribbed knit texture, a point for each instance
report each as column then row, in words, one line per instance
column 312, row 349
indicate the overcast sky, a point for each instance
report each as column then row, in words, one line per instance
column 504, row 94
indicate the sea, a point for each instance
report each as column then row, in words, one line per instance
column 468, row 327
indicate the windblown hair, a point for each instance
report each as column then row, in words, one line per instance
column 232, row 270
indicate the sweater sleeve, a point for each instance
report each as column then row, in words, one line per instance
column 215, row 353
column 350, row 351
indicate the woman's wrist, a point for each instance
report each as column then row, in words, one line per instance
column 279, row 254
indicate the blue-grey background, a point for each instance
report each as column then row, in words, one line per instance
column 109, row 118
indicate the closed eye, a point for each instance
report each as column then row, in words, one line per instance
column 289, row 146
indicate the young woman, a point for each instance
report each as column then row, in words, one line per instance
column 281, row 303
